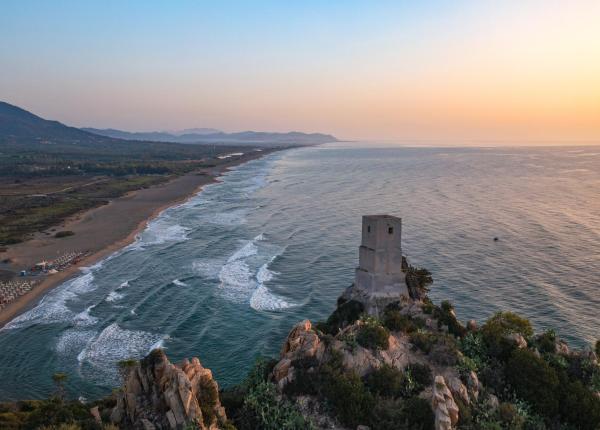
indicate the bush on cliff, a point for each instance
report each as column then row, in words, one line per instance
column 546, row 341
column 346, row 313
column 597, row 348
column 496, row 330
column 505, row 323
column 393, row 320
column 387, row 381
column 534, row 381
column 372, row 335
column 256, row 403
column 446, row 316
column 413, row 413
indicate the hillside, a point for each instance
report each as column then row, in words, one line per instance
column 206, row 136
column 21, row 124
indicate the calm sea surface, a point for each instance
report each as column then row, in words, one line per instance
column 225, row 275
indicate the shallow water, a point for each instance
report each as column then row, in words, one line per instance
column 225, row 275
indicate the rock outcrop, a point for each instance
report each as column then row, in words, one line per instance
column 302, row 342
column 444, row 406
column 160, row 395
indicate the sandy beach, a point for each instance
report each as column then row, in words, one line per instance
column 104, row 230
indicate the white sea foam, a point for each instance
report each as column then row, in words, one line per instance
column 179, row 283
column 84, row 318
column 114, row 344
column 74, row 340
column 114, row 296
column 124, row 285
column 53, row 307
column 264, row 300
column 160, row 344
column 245, row 251
column 229, row 218
column 207, row 268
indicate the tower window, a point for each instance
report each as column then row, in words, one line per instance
column 391, row 230
column 368, row 229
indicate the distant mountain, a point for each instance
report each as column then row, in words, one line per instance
column 19, row 123
column 196, row 131
column 242, row 138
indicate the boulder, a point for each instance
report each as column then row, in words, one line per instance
column 472, row 325
column 302, row 342
column 160, row 395
column 473, row 385
column 444, row 407
column 518, row 339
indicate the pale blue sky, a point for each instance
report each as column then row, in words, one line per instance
column 367, row 69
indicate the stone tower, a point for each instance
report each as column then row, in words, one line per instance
column 379, row 273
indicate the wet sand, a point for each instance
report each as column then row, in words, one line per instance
column 104, row 230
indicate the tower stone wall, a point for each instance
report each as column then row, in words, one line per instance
column 379, row 273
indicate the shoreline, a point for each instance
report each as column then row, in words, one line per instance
column 90, row 223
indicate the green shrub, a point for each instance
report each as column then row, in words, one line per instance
column 597, row 348
column 534, row 381
column 444, row 351
column 419, row 377
column 473, row 347
column 64, row 233
column 410, row 414
column 509, row 416
column 428, row 306
column 263, row 409
column 387, row 381
column 493, row 377
column 418, row 280
column 546, row 342
column 445, row 316
column 498, row 327
column 393, row 320
column 346, row 313
column 422, row 340
column 259, row 373
column 347, row 395
column 505, row 323
column 372, row 335
column 579, row 406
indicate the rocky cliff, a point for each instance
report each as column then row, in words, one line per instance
column 160, row 395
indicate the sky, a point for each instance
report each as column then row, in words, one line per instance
column 441, row 71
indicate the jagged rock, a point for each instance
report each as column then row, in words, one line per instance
column 443, row 404
column 473, row 385
column 160, row 395
column 302, row 342
column 95, row 411
column 561, row 347
column 458, row 389
column 493, row 402
column 518, row 339
column 472, row 325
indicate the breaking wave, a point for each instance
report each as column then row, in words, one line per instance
column 53, row 307
column 114, row 344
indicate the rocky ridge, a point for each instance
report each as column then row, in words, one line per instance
column 160, row 395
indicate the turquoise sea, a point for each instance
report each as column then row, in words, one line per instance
column 225, row 275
